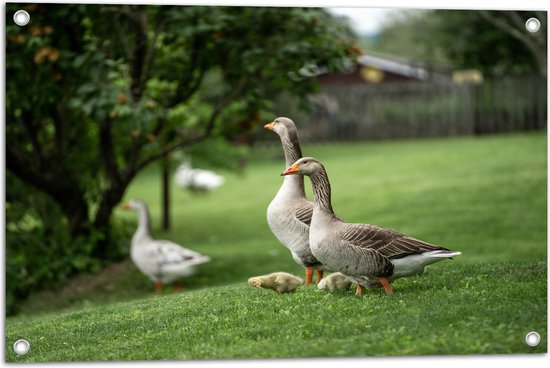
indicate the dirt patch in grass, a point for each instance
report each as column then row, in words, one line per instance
column 115, row 282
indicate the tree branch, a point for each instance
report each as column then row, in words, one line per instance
column 31, row 132
column 151, row 52
column 182, row 94
column 514, row 26
column 125, row 10
column 503, row 24
column 138, row 57
column 235, row 93
column 62, row 121
column 107, row 150
column 189, row 84
column 210, row 124
column 171, row 148
column 515, row 19
column 121, row 9
column 137, row 54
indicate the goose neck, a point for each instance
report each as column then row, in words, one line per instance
column 321, row 191
column 293, row 185
column 143, row 231
column 291, row 147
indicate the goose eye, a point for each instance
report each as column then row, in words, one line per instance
column 305, row 162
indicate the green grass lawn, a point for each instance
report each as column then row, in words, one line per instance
column 484, row 196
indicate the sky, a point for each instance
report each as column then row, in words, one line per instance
column 366, row 21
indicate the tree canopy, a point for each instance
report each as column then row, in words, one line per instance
column 95, row 93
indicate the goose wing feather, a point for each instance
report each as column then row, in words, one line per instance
column 169, row 253
column 386, row 242
column 304, row 212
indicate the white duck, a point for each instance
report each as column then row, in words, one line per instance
column 198, row 180
column 367, row 254
column 289, row 213
column 162, row 261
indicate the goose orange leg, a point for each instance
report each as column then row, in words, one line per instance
column 360, row 290
column 320, row 275
column 177, row 287
column 158, row 286
column 309, row 275
column 386, row 284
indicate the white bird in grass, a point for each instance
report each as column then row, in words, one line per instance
column 162, row 261
column 197, row 180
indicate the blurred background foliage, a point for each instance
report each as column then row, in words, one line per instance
column 494, row 42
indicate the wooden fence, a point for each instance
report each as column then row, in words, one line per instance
column 416, row 109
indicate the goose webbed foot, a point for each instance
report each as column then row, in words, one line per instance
column 386, row 284
column 320, row 275
column 158, row 286
column 309, row 275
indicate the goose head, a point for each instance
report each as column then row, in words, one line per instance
column 304, row 166
column 134, row 205
column 282, row 126
column 255, row 282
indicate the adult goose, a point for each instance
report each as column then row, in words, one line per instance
column 370, row 255
column 289, row 213
column 162, row 261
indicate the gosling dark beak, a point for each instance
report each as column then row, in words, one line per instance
column 291, row 170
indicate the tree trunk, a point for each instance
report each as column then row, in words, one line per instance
column 166, row 192
column 75, row 210
column 104, row 248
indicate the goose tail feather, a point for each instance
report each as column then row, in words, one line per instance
column 442, row 254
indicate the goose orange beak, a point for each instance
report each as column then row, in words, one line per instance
column 269, row 126
column 291, row 170
column 126, row 206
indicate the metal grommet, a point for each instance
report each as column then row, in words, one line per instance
column 21, row 18
column 532, row 338
column 532, row 25
column 21, row 347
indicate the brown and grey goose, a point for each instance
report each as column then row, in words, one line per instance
column 370, row 255
column 289, row 213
